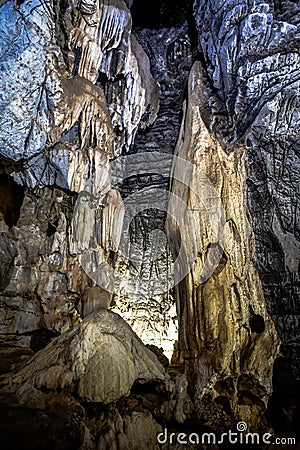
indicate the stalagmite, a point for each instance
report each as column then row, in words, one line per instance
column 215, row 312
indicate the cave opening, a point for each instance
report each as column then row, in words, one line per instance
column 160, row 14
column 52, row 226
column 257, row 324
column 11, row 200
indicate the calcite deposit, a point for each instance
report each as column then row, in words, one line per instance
column 101, row 358
column 234, row 338
column 250, row 98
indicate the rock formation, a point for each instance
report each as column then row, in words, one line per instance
column 149, row 167
column 250, row 98
column 225, row 350
column 101, row 358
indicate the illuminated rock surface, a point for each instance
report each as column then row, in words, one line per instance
column 223, row 293
column 100, row 359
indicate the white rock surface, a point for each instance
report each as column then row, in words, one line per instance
column 100, row 359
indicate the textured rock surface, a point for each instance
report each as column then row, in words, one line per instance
column 96, row 386
column 145, row 298
column 85, row 50
column 26, row 33
column 100, row 359
column 253, row 73
column 250, row 96
column 169, row 51
column 229, row 356
column 44, row 280
column 66, row 102
column 143, row 266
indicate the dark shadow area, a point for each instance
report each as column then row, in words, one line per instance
column 41, row 338
column 11, row 199
column 13, row 357
column 52, row 226
column 283, row 408
column 28, row 429
column 160, row 14
column 257, row 324
column 287, row 10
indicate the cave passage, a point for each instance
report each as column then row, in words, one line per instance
column 160, row 14
column 11, row 199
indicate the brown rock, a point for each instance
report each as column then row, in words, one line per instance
column 222, row 295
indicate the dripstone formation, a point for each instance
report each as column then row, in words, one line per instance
column 149, row 197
